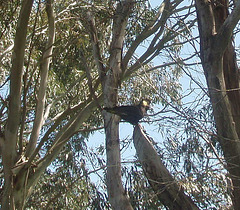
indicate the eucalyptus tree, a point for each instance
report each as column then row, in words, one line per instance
column 216, row 22
column 56, row 53
column 63, row 61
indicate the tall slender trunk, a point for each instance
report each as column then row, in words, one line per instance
column 111, row 80
column 9, row 152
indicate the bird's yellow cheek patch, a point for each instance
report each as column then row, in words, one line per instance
column 145, row 103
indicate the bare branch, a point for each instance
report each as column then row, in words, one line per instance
column 62, row 138
column 148, row 31
column 6, row 51
column 78, row 109
column 95, row 44
column 162, row 182
column 156, row 45
column 38, row 122
column 89, row 78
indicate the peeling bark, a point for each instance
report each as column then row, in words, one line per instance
column 222, row 75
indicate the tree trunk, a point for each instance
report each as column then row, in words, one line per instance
column 111, row 80
column 16, row 169
column 168, row 191
column 222, row 75
column 9, row 153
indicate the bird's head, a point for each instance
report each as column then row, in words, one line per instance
column 145, row 103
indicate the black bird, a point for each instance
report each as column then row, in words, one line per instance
column 131, row 114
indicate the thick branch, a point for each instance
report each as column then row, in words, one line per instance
column 61, row 140
column 16, row 78
column 11, row 132
column 38, row 122
column 224, row 34
column 162, row 182
column 57, row 122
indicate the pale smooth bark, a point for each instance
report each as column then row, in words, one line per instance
column 110, row 78
column 60, row 140
column 110, row 82
column 9, row 152
column 44, row 68
column 166, row 188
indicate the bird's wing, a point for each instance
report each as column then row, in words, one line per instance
column 130, row 114
column 126, row 110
